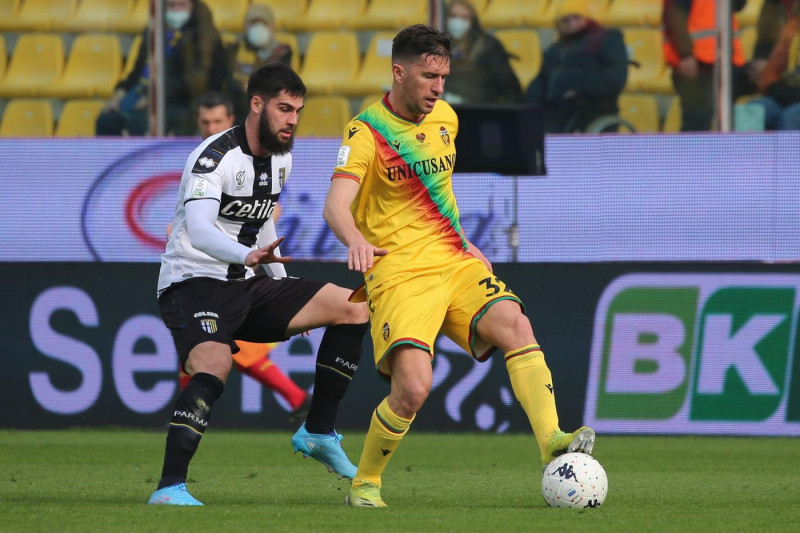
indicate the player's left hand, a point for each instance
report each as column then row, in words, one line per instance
column 265, row 255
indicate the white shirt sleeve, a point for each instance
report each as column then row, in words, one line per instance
column 205, row 236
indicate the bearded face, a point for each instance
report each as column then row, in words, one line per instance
column 272, row 139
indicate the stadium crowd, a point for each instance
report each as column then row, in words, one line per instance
column 79, row 67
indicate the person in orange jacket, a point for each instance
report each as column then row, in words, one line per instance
column 690, row 48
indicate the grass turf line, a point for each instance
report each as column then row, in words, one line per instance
column 99, row 480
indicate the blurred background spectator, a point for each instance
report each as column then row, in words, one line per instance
column 255, row 47
column 214, row 114
column 480, row 71
column 778, row 76
column 583, row 71
column 690, row 48
column 195, row 62
column 63, row 64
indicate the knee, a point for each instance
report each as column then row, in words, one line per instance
column 410, row 399
column 357, row 313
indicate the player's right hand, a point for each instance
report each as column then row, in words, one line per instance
column 360, row 256
column 265, row 255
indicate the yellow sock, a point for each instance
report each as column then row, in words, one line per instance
column 533, row 387
column 386, row 430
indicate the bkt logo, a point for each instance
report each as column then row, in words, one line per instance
column 696, row 353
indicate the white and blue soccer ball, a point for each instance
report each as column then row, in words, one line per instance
column 575, row 480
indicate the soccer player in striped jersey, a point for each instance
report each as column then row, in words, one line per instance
column 209, row 293
column 214, row 114
column 391, row 203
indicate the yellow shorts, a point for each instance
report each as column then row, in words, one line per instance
column 413, row 307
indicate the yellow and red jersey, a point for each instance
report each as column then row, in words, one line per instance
column 405, row 202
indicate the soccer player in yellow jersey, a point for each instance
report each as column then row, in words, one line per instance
column 391, row 203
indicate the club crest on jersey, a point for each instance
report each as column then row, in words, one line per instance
column 206, row 162
column 209, row 325
column 386, row 331
column 282, row 176
column 445, row 135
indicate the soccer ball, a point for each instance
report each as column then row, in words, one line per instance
column 574, row 480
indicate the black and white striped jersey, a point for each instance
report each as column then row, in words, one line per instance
column 245, row 189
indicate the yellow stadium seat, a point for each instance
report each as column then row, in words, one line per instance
column 624, row 13
column 651, row 75
column 135, row 21
column 514, row 14
column 369, row 100
column 672, row 120
column 92, row 68
column 392, row 15
column 749, row 15
column 480, row 6
column 39, row 15
column 94, row 15
column 228, row 14
column 130, row 59
column 8, row 13
column 376, row 69
column 25, row 117
column 641, row 110
column 332, row 58
column 286, row 11
column 328, row 15
column 748, row 37
column 36, row 63
column 78, row 118
column 324, row 116
column 525, row 50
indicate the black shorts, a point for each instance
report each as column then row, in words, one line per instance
column 257, row 309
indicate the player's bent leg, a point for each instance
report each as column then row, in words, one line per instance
column 190, row 416
column 506, row 327
column 337, row 360
column 329, row 306
column 411, row 372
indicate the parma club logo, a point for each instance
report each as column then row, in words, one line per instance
column 445, row 135
column 209, row 325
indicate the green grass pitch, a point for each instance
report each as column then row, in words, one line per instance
column 99, row 480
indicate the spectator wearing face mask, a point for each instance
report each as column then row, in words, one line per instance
column 258, row 46
column 194, row 63
column 480, row 71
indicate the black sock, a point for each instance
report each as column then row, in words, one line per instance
column 189, row 420
column 337, row 361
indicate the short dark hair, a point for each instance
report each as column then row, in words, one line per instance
column 270, row 80
column 420, row 40
column 213, row 99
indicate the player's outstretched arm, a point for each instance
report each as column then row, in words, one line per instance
column 360, row 253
